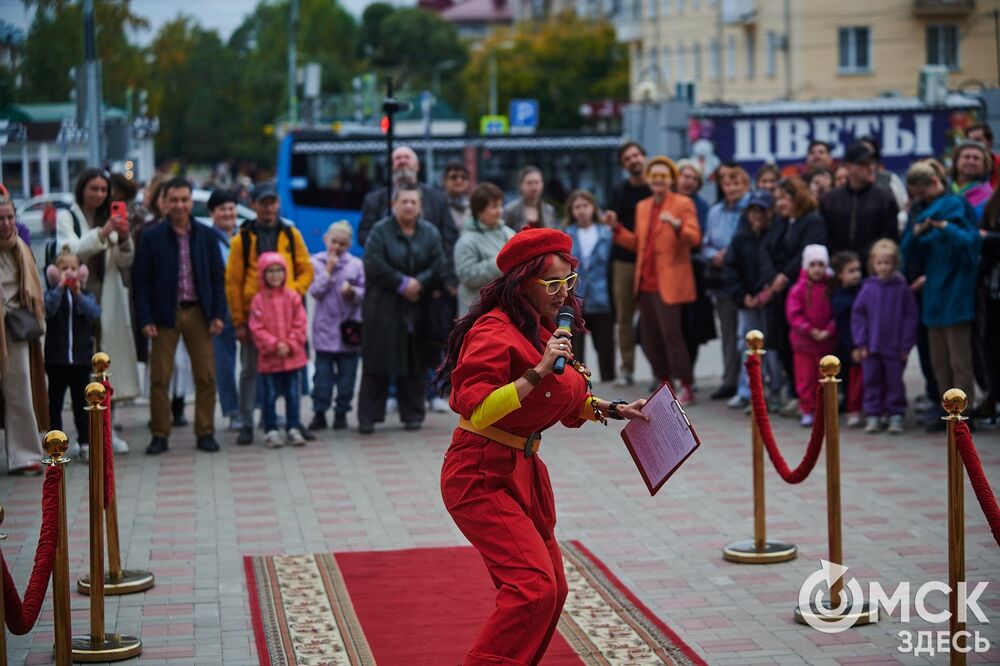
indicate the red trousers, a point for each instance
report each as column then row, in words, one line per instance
column 806, row 380
column 855, row 389
column 502, row 502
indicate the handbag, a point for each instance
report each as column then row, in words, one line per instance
column 350, row 332
column 22, row 325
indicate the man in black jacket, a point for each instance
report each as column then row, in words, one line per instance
column 179, row 284
column 859, row 213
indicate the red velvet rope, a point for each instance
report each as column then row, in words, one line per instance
column 109, row 450
column 800, row 473
column 987, row 500
column 21, row 616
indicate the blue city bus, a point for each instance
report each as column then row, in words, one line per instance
column 324, row 176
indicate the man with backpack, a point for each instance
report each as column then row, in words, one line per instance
column 265, row 234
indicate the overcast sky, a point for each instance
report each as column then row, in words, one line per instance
column 222, row 15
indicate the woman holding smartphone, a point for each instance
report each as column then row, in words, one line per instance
column 99, row 235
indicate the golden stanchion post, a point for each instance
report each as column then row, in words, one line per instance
column 758, row 550
column 99, row 645
column 117, row 580
column 840, row 608
column 954, row 402
column 55, row 444
column 3, row 618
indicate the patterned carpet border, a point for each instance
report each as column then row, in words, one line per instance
column 303, row 615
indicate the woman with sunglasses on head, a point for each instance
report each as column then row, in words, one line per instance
column 499, row 371
column 666, row 231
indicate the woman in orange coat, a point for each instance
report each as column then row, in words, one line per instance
column 666, row 230
column 496, row 488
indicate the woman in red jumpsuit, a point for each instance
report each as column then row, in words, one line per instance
column 499, row 366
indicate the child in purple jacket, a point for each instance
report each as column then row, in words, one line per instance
column 884, row 323
column 339, row 288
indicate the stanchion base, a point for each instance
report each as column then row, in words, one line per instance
column 113, row 648
column 745, row 552
column 131, row 581
column 853, row 616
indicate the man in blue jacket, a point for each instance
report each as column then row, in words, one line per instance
column 179, row 283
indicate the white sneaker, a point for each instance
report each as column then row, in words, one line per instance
column 274, row 440
column 74, row 450
column 85, row 452
column 391, row 405
column 295, row 437
column 736, row 402
column 439, row 405
column 118, row 445
column 623, row 380
column 896, row 424
column 872, row 425
column 854, row 420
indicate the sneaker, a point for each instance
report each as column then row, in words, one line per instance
column 318, row 421
column 366, row 428
column 307, row 434
column 207, row 443
column 391, row 405
column 806, row 420
column 413, row 425
column 246, row 436
column 339, row 420
column 235, row 423
column 74, row 450
column 872, row 425
column 85, row 453
column 723, row 393
column 922, row 404
column 686, row 396
column 623, row 380
column 790, row 409
column 737, row 402
column 439, row 405
column 118, row 445
column 273, row 440
column 854, row 420
column 896, row 424
column 295, row 437
column 157, row 445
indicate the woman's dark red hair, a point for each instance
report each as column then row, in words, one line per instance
column 507, row 293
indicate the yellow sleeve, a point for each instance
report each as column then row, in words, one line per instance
column 497, row 405
column 303, row 267
column 587, row 409
column 234, row 281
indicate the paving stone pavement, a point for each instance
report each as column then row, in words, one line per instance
column 190, row 517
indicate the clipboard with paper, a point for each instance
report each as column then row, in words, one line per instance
column 661, row 445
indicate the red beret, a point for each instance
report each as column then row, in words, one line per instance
column 530, row 243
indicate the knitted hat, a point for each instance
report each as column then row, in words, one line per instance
column 530, row 243
column 813, row 253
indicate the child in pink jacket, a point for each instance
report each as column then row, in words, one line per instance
column 812, row 328
column 278, row 325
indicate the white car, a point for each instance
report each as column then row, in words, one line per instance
column 30, row 212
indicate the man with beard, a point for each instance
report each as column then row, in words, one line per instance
column 621, row 208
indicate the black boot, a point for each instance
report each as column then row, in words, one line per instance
column 177, row 407
column 339, row 420
column 318, row 422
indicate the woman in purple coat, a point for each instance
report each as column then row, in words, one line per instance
column 338, row 287
column 884, row 325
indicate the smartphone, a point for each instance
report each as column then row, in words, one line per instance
column 118, row 209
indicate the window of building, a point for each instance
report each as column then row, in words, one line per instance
column 667, row 71
column 731, row 57
column 680, row 6
column 751, row 55
column 654, row 65
column 638, row 63
column 696, row 60
column 682, row 73
column 713, row 60
column 855, row 50
column 654, row 8
column 666, row 7
column 773, row 44
column 943, row 46
column 636, row 9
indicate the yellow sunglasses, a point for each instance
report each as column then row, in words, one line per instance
column 552, row 287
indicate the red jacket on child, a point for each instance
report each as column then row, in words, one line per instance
column 277, row 315
column 808, row 307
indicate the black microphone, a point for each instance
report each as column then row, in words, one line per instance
column 564, row 322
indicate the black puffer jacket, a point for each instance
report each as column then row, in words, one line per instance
column 855, row 219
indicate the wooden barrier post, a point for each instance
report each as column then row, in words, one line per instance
column 954, row 402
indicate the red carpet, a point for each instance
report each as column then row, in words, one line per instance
column 425, row 606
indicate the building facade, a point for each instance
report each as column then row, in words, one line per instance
column 755, row 50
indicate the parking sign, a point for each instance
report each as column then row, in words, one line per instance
column 523, row 116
